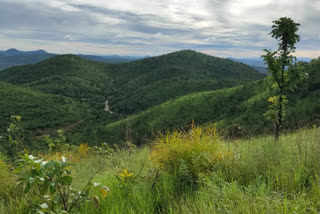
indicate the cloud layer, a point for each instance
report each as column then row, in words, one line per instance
column 237, row 28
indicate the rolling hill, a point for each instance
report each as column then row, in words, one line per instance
column 39, row 110
column 238, row 111
column 129, row 87
column 135, row 86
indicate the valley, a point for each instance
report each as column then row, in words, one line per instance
column 158, row 126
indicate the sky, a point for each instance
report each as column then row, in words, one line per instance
column 224, row 28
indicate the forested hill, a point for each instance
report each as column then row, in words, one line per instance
column 238, row 111
column 39, row 110
column 134, row 86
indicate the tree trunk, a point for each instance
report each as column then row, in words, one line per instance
column 279, row 119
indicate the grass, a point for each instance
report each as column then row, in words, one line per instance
column 262, row 176
column 258, row 176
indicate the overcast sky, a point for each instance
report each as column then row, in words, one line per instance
column 225, row 28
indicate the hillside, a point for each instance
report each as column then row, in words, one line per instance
column 38, row 110
column 238, row 111
column 134, row 86
column 157, row 79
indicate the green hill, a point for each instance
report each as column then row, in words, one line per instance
column 238, row 111
column 39, row 110
column 157, row 79
column 134, row 86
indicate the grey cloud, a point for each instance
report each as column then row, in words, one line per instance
column 150, row 30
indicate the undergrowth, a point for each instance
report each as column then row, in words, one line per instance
column 244, row 176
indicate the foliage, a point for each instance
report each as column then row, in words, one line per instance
column 285, row 72
column 188, row 154
column 12, row 143
column 51, row 182
column 56, row 144
column 126, row 181
column 104, row 149
column 260, row 176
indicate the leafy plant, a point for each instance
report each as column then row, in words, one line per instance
column 12, row 142
column 104, row 149
column 126, row 181
column 51, row 181
column 56, row 144
column 188, row 154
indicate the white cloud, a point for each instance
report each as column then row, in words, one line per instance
column 153, row 26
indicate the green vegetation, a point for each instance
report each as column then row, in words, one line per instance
column 182, row 135
column 134, row 86
column 144, row 83
column 51, row 181
column 39, row 110
column 83, row 87
column 238, row 111
column 247, row 176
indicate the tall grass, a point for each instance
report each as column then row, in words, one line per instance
column 257, row 176
column 260, row 176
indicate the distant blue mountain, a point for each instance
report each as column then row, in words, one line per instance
column 258, row 62
column 15, row 52
column 132, row 58
column 14, row 57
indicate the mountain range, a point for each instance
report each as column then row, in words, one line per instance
column 129, row 88
column 14, row 57
column 117, row 102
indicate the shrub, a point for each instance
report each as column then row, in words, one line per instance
column 188, row 154
column 50, row 182
column 12, row 143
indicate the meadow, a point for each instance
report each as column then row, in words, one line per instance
column 192, row 171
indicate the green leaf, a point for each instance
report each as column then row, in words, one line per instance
column 53, row 188
column 45, row 187
column 56, row 199
column 27, row 189
column 65, row 180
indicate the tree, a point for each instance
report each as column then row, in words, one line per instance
column 284, row 68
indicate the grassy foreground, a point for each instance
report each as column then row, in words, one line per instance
column 176, row 175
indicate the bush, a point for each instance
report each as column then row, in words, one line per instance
column 189, row 155
column 50, row 182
